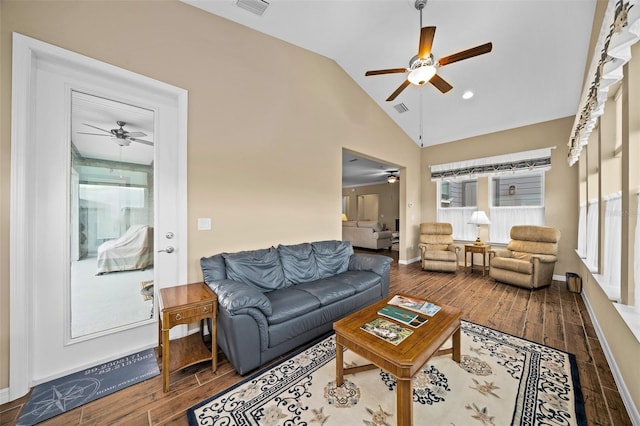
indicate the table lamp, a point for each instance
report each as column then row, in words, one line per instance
column 479, row 217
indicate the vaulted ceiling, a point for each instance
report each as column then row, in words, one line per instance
column 533, row 74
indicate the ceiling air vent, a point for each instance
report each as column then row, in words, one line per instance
column 401, row 107
column 254, row 6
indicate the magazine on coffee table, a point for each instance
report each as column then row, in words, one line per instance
column 418, row 305
column 409, row 318
column 387, row 330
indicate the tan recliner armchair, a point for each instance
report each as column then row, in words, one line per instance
column 437, row 251
column 529, row 258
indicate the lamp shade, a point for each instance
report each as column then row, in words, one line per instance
column 344, row 217
column 479, row 217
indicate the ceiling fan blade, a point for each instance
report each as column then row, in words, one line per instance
column 94, row 134
column 142, row 141
column 466, row 54
column 426, row 40
column 107, row 131
column 398, row 90
column 136, row 134
column 440, row 83
column 389, row 71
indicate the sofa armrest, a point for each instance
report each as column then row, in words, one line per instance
column 454, row 248
column 381, row 235
column 500, row 253
column 544, row 258
column 370, row 262
column 236, row 297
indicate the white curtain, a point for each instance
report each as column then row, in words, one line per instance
column 592, row 235
column 612, row 241
column 637, row 260
column 458, row 218
column 503, row 218
column 582, row 231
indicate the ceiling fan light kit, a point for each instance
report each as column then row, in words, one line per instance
column 421, row 75
column 422, row 67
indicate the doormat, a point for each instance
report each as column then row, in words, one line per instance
column 501, row 380
column 66, row 393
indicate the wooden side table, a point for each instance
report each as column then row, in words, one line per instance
column 482, row 249
column 186, row 304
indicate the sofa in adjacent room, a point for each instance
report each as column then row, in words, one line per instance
column 273, row 300
column 366, row 234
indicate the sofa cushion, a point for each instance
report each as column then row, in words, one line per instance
column 350, row 223
column 288, row 303
column 327, row 290
column 359, row 280
column 370, row 224
column 261, row 268
column 332, row 257
column 213, row 268
column 298, row 263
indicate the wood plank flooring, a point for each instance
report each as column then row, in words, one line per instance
column 552, row 316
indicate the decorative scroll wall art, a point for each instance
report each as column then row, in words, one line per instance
column 620, row 30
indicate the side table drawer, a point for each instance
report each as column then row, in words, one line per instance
column 186, row 315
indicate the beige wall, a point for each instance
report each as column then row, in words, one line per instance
column 561, row 201
column 265, row 151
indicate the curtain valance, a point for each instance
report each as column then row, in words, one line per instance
column 620, row 30
column 537, row 159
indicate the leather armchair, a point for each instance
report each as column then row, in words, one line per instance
column 437, row 251
column 529, row 258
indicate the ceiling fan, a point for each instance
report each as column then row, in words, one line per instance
column 120, row 136
column 393, row 176
column 423, row 67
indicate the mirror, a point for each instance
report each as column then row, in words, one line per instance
column 111, row 215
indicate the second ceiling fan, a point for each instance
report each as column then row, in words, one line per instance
column 423, row 67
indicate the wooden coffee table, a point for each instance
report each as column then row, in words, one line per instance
column 402, row 361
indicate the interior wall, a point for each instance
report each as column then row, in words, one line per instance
column 264, row 154
column 388, row 197
column 561, row 204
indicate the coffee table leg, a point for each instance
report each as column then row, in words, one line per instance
column 456, row 346
column 404, row 402
column 339, row 364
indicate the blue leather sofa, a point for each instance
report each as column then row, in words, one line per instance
column 273, row 300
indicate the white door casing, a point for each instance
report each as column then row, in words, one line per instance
column 43, row 77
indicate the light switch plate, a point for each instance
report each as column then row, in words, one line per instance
column 204, row 224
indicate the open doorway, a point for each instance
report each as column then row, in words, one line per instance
column 371, row 193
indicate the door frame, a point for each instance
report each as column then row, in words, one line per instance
column 26, row 51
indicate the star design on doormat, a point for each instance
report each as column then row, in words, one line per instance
column 60, row 398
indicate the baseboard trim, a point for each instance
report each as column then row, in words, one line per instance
column 4, row 396
column 409, row 261
column 562, row 278
column 632, row 410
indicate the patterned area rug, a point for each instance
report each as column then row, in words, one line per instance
column 501, row 380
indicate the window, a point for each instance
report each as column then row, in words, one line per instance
column 516, row 199
column 518, row 190
column 458, row 201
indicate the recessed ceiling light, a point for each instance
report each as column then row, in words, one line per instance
column 467, row 95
